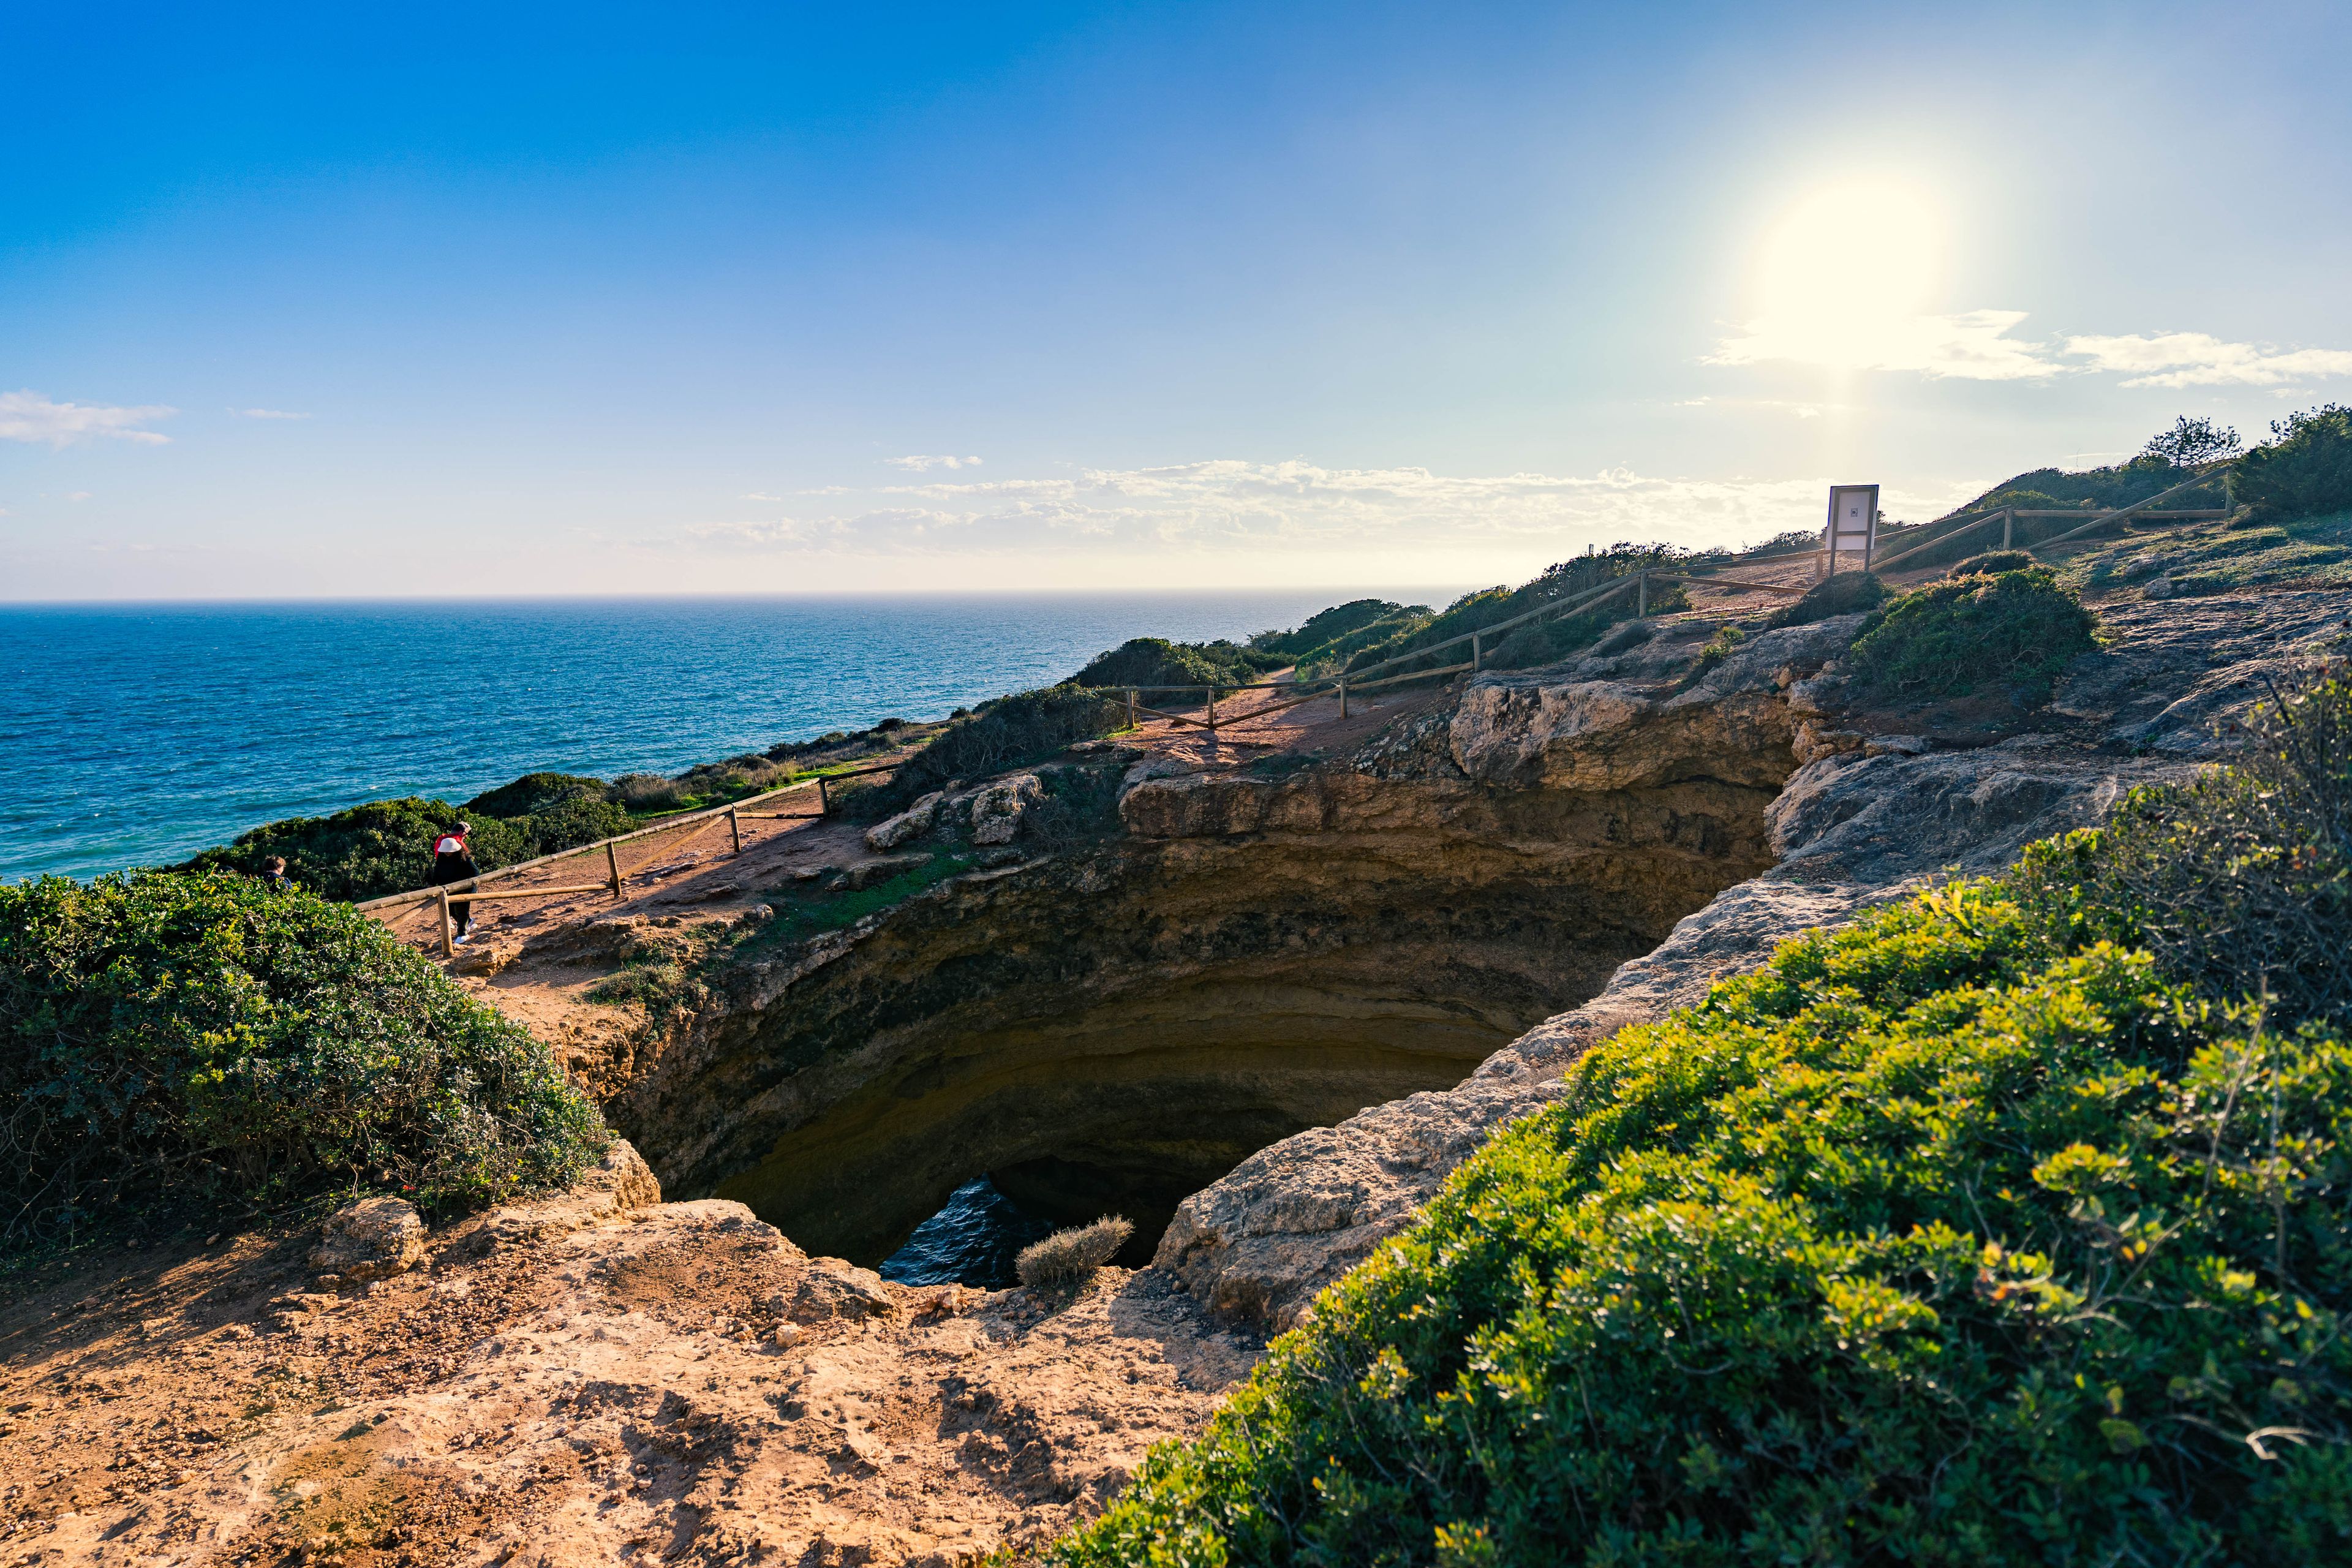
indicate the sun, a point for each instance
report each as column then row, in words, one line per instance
column 1849, row 269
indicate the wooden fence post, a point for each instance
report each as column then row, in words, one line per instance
column 1131, row 707
column 448, row 944
column 735, row 830
column 1343, row 697
column 2008, row 525
column 1477, row 651
column 1641, row 597
column 613, row 858
column 824, row 797
column 1212, row 709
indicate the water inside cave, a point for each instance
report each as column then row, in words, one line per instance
column 972, row 1240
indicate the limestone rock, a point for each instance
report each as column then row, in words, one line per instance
column 622, row 1177
column 996, row 808
column 911, row 823
column 370, row 1239
column 865, row 873
column 2161, row 588
column 1850, row 830
column 834, row 1288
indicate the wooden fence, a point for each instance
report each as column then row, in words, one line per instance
column 1341, row 685
column 735, row 814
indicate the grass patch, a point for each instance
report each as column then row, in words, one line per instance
column 2215, row 560
column 195, row 1039
column 2013, row 629
column 807, row 914
column 1841, row 594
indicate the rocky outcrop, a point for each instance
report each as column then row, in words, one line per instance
column 656, row 1380
column 911, row 823
column 1259, row 951
column 1853, row 825
column 370, row 1239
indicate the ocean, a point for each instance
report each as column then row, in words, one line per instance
column 141, row 733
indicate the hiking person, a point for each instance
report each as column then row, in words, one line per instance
column 453, row 862
column 273, row 875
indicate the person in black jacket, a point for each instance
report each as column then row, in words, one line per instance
column 453, row 862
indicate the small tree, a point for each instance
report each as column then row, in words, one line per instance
column 2191, row 442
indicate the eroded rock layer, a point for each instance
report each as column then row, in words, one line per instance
column 1257, row 953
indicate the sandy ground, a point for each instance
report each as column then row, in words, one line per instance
column 560, row 1386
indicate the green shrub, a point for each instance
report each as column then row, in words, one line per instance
column 169, row 1037
column 1155, row 661
column 535, row 793
column 386, row 846
column 1023, row 728
column 1323, row 628
column 2017, row 629
column 2304, row 469
column 364, row 851
column 1924, row 1244
column 2240, row 882
column 1543, row 642
column 1992, row 563
column 1841, row 594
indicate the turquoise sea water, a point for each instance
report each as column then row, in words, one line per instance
column 138, row 735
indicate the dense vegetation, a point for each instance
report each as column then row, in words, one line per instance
column 2014, row 630
column 1155, row 661
column 1843, row 593
column 2304, row 469
column 1023, row 727
column 1977, row 1232
column 386, row 846
column 1325, row 633
column 195, row 1039
column 1544, row 641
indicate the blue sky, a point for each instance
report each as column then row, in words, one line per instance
column 317, row 300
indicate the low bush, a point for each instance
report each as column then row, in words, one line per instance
column 2013, row 629
column 1542, row 642
column 1318, row 632
column 1068, row 1258
column 386, row 846
column 1992, row 563
column 1155, row 661
column 2240, row 882
column 1022, row 728
column 170, row 1037
column 647, row 793
column 1841, row 594
column 1079, row 806
column 2305, row 468
column 535, row 793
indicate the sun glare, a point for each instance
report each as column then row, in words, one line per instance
column 1846, row 274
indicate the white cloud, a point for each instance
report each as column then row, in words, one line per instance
column 29, row 416
column 1221, row 504
column 1973, row 345
column 266, row 414
column 2198, row 359
column 77, row 495
column 924, row 465
column 1977, row 345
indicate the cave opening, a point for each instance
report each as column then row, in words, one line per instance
column 1111, row 1034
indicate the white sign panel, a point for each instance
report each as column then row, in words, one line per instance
column 1853, row 526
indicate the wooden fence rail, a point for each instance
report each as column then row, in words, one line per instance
column 1340, row 685
column 472, row 889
